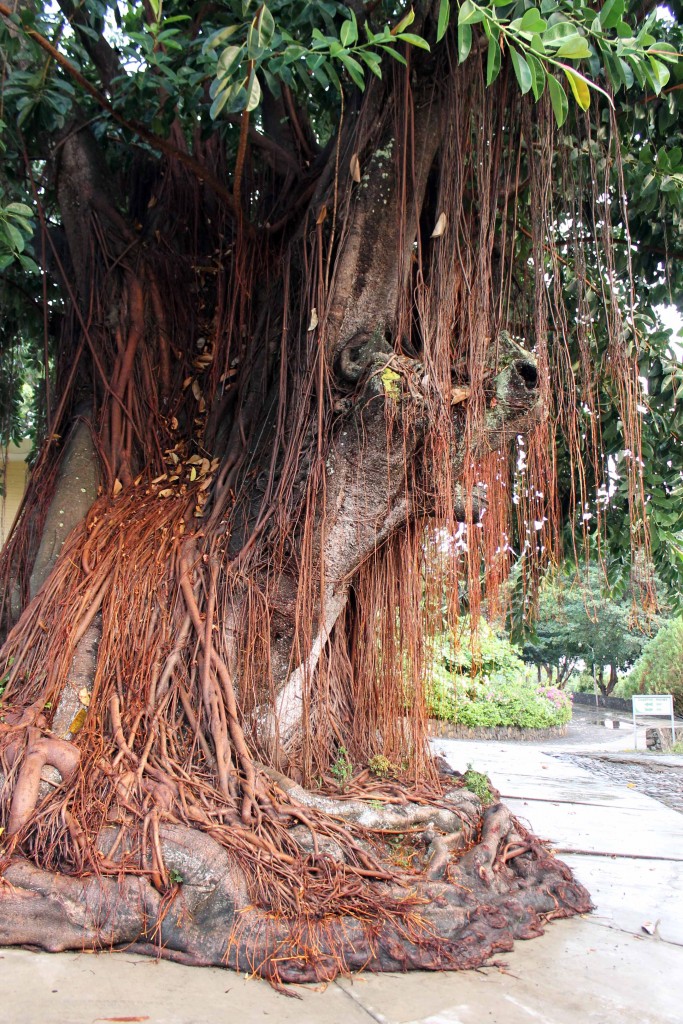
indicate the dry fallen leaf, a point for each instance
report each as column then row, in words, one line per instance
column 322, row 215
column 84, row 696
column 459, row 395
column 117, row 488
column 354, row 167
column 196, row 390
column 314, row 319
column 440, row 226
column 166, row 493
column 78, row 722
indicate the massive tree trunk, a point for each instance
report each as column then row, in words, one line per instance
column 281, row 396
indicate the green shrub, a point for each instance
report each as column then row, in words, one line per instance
column 501, row 703
column 660, row 667
column 490, row 687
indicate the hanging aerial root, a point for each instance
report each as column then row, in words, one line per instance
column 40, row 751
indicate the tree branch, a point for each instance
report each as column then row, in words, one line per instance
column 162, row 145
column 102, row 55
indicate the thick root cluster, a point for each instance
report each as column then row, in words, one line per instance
column 137, row 811
column 457, row 884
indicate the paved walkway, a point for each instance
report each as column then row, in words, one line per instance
column 622, row 963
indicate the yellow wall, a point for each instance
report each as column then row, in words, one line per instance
column 13, row 474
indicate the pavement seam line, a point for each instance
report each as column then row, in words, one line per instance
column 373, row 1014
column 634, row 935
column 616, row 856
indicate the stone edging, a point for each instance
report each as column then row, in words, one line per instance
column 453, row 731
column 613, row 703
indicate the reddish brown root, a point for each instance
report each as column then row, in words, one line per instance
column 208, row 917
column 40, row 751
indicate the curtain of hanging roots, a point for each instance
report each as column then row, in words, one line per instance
column 181, row 560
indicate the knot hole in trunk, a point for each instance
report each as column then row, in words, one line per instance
column 526, row 369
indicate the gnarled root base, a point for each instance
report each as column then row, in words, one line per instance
column 505, row 887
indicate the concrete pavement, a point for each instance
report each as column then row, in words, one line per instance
column 625, row 847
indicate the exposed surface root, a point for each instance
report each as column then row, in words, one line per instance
column 151, row 820
column 208, row 915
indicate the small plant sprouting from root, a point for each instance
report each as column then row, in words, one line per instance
column 479, row 784
column 342, row 769
column 382, row 767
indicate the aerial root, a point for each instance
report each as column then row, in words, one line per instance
column 38, row 752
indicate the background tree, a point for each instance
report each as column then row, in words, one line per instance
column 581, row 620
column 282, row 270
column 658, row 670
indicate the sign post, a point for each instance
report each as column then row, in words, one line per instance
column 652, row 705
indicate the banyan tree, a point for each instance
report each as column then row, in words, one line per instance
column 297, row 277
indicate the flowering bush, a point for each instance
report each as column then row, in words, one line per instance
column 507, row 694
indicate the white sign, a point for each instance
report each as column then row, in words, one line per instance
column 660, row 704
column 653, row 704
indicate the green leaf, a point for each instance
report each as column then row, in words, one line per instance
column 260, row 33
column 413, row 40
column 558, row 99
column 574, row 48
column 611, row 13
column 469, row 14
column 492, row 62
column 660, row 73
column 354, row 69
column 464, row 42
column 28, row 264
column 395, row 54
column 219, row 102
column 372, row 61
column 215, row 40
column 522, row 71
column 533, row 22
column 15, row 236
column 18, row 210
column 408, row 19
column 638, row 70
column 228, row 61
column 349, row 31
column 537, row 75
column 664, row 50
column 253, row 92
column 579, row 87
column 558, row 31
column 267, row 27
column 444, row 17
column 293, row 52
column 537, row 45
